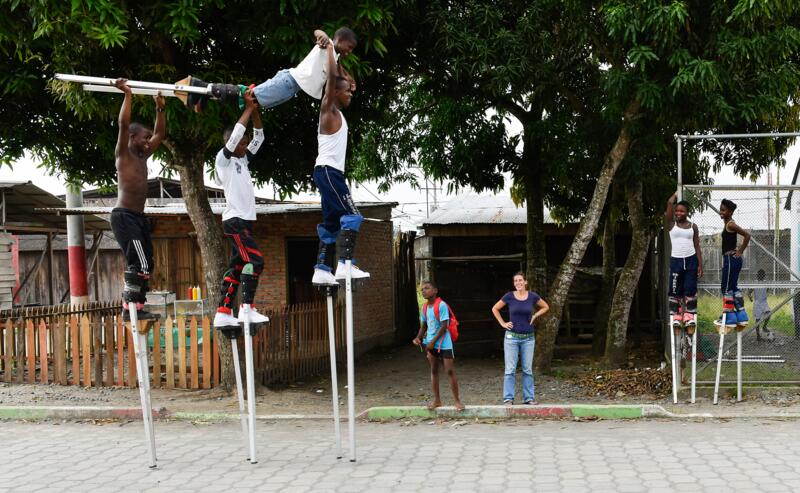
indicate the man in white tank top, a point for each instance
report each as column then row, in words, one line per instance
column 340, row 217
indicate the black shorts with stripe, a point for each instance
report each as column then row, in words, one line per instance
column 132, row 232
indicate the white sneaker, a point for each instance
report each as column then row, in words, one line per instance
column 323, row 278
column 355, row 273
column 225, row 320
column 255, row 317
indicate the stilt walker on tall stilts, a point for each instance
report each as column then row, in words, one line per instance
column 135, row 144
column 685, row 267
column 233, row 174
column 340, row 225
column 734, row 315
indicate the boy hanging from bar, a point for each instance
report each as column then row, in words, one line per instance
column 309, row 76
column 135, row 144
column 233, row 173
column 340, row 217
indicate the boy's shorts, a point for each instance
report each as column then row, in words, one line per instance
column 442, row 353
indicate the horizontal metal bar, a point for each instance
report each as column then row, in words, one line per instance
column 737, row 136
column 723, row 188
column 751, row 285
column 102, row 81
column 772, row 382
column 134, row 90
column 724, row 360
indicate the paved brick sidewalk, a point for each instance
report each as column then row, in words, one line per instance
column 296, row 456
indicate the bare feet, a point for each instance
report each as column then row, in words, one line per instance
column 459, row 406
column 433, row 405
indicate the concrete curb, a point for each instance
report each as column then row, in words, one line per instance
column 540, row 411
column 37, row 413
column 555, row 411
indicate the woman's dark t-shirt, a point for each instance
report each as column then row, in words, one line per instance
column 520, row 312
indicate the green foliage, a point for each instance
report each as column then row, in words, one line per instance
column 74, row 132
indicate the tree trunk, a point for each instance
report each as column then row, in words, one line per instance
column 211, row 240
column 628, row 280
column 557, row 294
column 535, row 241
column 607, row 288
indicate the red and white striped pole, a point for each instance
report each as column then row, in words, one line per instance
column 76, row 250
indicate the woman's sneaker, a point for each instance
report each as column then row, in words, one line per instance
column 355, row 272
column 255, row 317
column 323, row 277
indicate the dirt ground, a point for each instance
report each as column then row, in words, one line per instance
column 390, row 377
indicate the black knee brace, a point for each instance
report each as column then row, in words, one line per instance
column 249, row 285
column 326, row 254
column 135, row 287
column 674, row 305
column 346, row 244
column 691, row 304
column 738, row 300
column 226, row 93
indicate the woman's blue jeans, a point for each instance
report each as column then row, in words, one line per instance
column 518, row 350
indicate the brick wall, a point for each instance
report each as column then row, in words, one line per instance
column 373, row 304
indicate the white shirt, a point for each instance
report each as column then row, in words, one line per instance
column 312, row 72
column 333, row 147
column 233, row 174
column 682, row 241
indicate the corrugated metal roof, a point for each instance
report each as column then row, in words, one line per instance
column 27, row 209
column 179, row 209
column 480, row 209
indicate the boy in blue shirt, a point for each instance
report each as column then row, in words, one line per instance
column 438, row 344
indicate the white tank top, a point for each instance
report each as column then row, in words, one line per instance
column 333, row 148
column 682, row 241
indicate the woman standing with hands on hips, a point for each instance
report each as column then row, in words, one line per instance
column 524, row 307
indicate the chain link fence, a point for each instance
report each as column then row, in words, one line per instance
column 769, row 280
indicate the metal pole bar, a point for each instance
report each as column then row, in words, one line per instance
column 719, row 359
column 755, row 360
column 102, row 81
column 694, row 364
column 739, row 136
column 141, row 375
column 240, row 391
column 680, row 168
column 251, row 384
column 741, row 187
column 134, row 90
column 674, row 360
column 146, row 366
column 351, row 378
column 334, row 379
column 738, row 366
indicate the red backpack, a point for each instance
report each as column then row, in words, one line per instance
column 452, row 325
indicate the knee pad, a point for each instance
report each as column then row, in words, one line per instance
column 727, row 303
column 674, row 305
column 351, row 221
column 325, row 236
column 135, row 287
column 346, row 244
column 691, row 304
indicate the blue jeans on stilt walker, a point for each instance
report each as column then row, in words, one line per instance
column 729, row 286
column 518, row 349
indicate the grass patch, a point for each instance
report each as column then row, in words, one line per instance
column 709, row 308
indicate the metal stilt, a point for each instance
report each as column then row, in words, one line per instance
column 251, row 384
column 140, row 351
column 738, row 365
column 719, row 360
column 694, row 364
column 674, row 360
column 334, row 379
column 351, row 384
column 240, row 391
column 103, row 81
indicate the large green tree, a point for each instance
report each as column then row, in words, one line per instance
column 73, row 132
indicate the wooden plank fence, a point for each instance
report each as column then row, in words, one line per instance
column 88, row 345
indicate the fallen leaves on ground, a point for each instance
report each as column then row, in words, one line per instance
column 625, row 382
